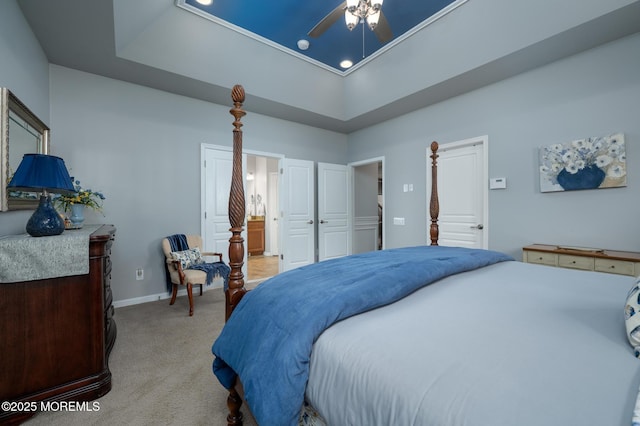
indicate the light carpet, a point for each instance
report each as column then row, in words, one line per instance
column 161, row 368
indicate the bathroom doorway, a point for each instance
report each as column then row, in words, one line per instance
column 263, row 227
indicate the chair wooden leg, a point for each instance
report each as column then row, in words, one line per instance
column 200, row 289
column 174, row 293
column 190, row 294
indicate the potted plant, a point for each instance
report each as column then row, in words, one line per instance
column 76, row 203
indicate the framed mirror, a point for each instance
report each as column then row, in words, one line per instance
column 21, row 132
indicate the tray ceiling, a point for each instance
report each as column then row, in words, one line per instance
column 283, row 23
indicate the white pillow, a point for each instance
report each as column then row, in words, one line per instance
column 188, row 257
column 632, row 317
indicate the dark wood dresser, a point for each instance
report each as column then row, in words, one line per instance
column 56, row 335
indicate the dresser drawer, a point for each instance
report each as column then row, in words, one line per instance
column 614, row 266
column 575, row 262
column 588, row 259
column 541, row 258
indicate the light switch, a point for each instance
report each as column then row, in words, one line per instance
column 498, row 183
column 398, row 220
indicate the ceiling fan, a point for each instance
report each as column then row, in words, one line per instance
column 355, row 11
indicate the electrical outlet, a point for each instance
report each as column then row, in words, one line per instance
column 139, row 274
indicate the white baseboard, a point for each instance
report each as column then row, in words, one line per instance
column 160, row 296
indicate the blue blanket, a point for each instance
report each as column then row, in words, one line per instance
column 268, row 339
column 177, row 242
column 213, row 269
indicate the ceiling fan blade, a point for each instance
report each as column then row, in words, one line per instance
column 383, row 30
column 328, row 20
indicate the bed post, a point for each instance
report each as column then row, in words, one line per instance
column 434, row 205
column 236, row 289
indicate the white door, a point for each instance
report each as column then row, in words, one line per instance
column 216, row 183
column 298, row 208
column 462, row 192
column 334, row 203
column 273, row 214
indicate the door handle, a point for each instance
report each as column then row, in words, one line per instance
column 479, row 226
column 310, row 222
column 324, row 221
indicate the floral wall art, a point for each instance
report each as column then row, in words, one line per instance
column 598, row 162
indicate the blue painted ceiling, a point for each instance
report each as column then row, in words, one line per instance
column 284, row 22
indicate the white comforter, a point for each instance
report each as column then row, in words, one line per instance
column 509, row 344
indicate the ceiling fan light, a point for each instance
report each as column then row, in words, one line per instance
column 352, row 5
column 376, row 4
column 351, row 20
column 373, row 19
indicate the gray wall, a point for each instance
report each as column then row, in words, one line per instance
column 595, row 93
column 141, row 147
column 24, row 69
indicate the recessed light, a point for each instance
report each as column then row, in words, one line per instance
column 346, row 64
column 303, row 44
column 205, row 2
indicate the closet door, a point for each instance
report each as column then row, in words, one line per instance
column 298, row 214
column 462, row 189
column 334, row 202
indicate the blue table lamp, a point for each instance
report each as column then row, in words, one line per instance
column 43, row 173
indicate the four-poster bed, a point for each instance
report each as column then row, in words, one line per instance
column 423, row 335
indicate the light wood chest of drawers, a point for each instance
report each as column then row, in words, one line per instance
column 610, row 261
column 255, row 236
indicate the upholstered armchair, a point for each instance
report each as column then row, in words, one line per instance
column 187, row 267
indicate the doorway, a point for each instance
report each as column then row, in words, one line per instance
column 280, row 194
column 368, row 205
column 262, row 198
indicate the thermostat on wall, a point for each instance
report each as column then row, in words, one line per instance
column 497, row 183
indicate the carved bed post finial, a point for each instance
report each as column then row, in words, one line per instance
column 434, row 205
column 236, row 208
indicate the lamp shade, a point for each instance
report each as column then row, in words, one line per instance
column 39, row 172
column 373, row 19
column 43, row 173
column 351, row 20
